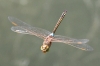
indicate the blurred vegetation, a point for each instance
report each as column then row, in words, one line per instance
column 82, row 21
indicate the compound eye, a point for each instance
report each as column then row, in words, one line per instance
column 44, row 47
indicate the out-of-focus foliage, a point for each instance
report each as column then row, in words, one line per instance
column 82, row 21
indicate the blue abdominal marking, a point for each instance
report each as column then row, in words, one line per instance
column 52, row 34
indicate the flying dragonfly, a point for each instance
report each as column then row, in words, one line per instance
column 47, row 36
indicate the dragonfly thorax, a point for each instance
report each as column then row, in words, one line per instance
column 47, row 43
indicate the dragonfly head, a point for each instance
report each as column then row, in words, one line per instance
column 45, row 48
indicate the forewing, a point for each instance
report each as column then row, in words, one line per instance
column 78, row 43
column 22, row 27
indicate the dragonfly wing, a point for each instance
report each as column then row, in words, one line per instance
column 19, row 30
column 78, row 43
column 22, row 27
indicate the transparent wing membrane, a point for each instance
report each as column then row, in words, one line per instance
column 22, row 27
column 20, row 30
column 78, row 43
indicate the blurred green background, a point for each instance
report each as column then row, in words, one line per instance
column 82, row 21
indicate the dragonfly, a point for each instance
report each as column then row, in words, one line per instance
column 47, row 36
